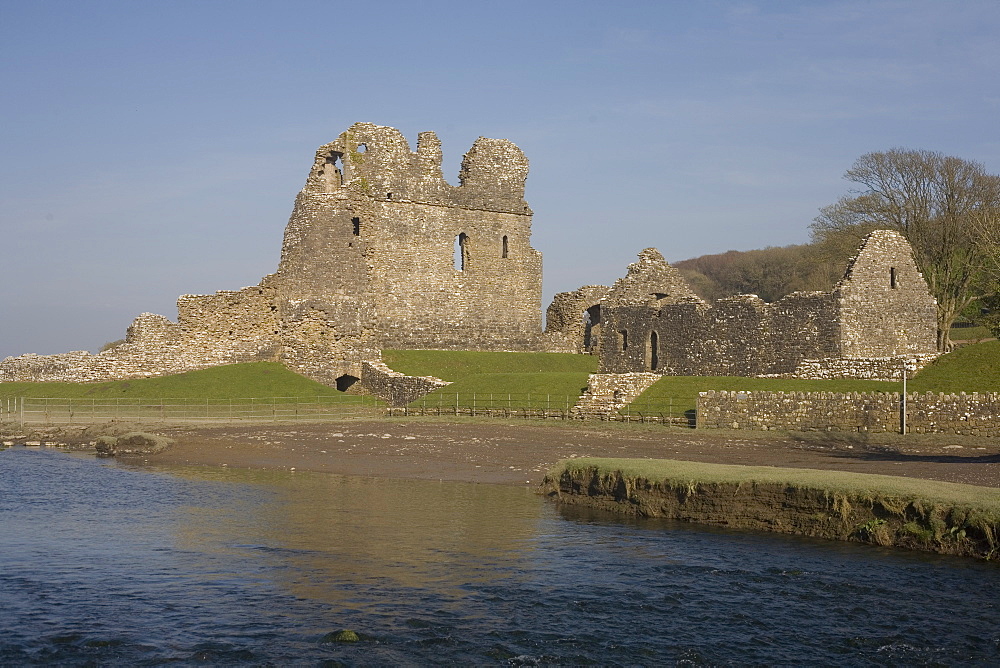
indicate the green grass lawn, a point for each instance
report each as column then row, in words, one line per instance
column 233, row 381
column 498, row 379
column 974, row 368
column 455, row 365
column 977, row 333
column 680, row 393
column 549, row 378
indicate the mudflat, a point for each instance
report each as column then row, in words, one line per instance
column 519, row 453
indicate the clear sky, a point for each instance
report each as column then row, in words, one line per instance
column 152, row 149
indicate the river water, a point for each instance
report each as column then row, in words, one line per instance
column 103, row 564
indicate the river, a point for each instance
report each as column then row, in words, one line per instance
column 107, row 564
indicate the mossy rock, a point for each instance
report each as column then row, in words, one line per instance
column 132, row 443
column 344, row 635
column 106, row 446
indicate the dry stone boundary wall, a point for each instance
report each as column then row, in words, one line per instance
column 875, row 412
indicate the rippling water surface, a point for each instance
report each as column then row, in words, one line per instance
column 107, row 565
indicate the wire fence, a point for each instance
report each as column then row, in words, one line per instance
column 527, row 405
column 27, row 410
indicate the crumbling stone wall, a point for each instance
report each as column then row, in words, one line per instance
column 395, row 388
column 970, row 414
column 379, row 221
column 380, row 251
column 573, row 320
column 879, row 314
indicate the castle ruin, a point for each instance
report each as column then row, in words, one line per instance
column 380, row 252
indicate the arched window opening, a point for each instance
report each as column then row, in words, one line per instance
column 653, row 361
column 892, row 278
column 462, row 252
column 356, row 224
column 504, row 253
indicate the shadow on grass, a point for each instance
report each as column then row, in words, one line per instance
column 890, row 455
column 896, row 447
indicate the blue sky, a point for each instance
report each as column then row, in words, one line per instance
column 152, row 149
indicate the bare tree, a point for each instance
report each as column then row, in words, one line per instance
column 934, row 201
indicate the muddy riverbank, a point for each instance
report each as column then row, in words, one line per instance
column 520, row 453
column 945, row 518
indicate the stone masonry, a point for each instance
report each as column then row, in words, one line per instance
column 879, row 314
column 380, row 252
column 875, row 412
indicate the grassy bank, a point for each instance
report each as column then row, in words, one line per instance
column 496, row 378
column 884, row 510
column 974, row 368
column 233, row 381
column 515, row 380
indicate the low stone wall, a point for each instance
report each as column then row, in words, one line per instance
column 969, row 414
column 396, row 388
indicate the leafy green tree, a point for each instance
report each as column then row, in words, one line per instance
column 935, row 201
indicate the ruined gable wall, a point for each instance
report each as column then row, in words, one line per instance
column 680, row 334
column 880, row 313
column 884, row 306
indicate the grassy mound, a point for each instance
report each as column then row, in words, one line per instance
column 974, row 368
column 233, row 381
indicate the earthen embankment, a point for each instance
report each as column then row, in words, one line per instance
column 881, row 510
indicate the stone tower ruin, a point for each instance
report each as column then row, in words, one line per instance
column 380, row 252
column 379, row 233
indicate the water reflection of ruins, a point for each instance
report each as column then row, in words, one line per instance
column 325, row 536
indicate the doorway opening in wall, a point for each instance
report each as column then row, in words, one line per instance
column 345, row 382
column 653, row 354
column 591, row 327
column 461, row 252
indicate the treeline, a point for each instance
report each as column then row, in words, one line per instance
column 770, row 273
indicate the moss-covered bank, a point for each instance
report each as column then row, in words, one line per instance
column 883, row 510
